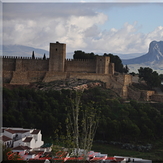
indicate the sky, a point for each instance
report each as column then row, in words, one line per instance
column 109, row 26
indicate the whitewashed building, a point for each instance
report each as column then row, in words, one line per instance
column 14, row 137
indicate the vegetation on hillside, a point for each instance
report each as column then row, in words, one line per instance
column 152, row 78
column 119, row 121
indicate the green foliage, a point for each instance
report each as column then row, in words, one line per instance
column 33, row 55
column 151, row 77
column 48, row 111
column 82, row 55
column 44, row 57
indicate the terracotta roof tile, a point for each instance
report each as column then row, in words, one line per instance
column 35, row 131
column 28, row 139
column 21, row 148
column 5, row 138
column 16, row 131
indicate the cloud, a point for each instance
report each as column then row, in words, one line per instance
column 79, row 26
column 39, row 30
column 126, row 40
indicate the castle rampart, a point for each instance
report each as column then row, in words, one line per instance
column 9, row 64
column 79, row 65
column 26, row 70
column 56, row 63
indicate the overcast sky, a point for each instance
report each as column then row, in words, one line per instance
column 106, row 27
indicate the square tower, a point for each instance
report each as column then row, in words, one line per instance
column 102, row 64
column 57, row 57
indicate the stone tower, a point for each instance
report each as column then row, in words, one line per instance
column 102, row 64
column 57, row 57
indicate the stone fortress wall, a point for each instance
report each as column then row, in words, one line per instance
column 17, row 70
column 26, row 70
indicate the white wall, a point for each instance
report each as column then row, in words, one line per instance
column 35, row 142
column 32, row 143
column 8, row 134
column 39, row 141
column 18, row 143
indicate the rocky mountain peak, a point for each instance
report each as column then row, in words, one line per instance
column 156, row 50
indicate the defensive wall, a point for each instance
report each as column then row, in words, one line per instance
column 26, row 70
column 157, row 98
column 39, row 64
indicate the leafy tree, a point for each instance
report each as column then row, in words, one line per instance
column 82, row 55
column 81, row 123
column 151, row 77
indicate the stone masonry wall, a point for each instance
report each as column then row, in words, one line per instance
column 127, row 79
column 19, row 77
column 157, row 98
column 24, row 77
column 7, row 76
column 9, row 64
column 13, row 64
column 35, row 65
column 36, row 76
column 80, row 65
column 51, row 76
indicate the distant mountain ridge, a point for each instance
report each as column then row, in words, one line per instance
column 24, row 51
column 155, row 54
column 152, row 59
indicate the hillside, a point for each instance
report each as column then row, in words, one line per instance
column 44, row 106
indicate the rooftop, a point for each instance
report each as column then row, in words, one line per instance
column 5, row 138
column 35, row 131
column 28, row 139
column 21, row 148
column 16, row 131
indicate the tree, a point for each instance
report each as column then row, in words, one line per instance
column 44, row 57
column 151, row 77
column 89, row 123
column 82, row 55
column 81, row 123
column 33, row 55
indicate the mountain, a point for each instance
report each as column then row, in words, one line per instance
column 128, row 56
column 152, row 59
column 24, row 51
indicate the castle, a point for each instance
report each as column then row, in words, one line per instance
column 26, row 70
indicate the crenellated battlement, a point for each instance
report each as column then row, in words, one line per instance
column 57, row 62
column 20, row 57
column 79, row 60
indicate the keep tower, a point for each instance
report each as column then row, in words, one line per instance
column 57, row 57
column 102, row 64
